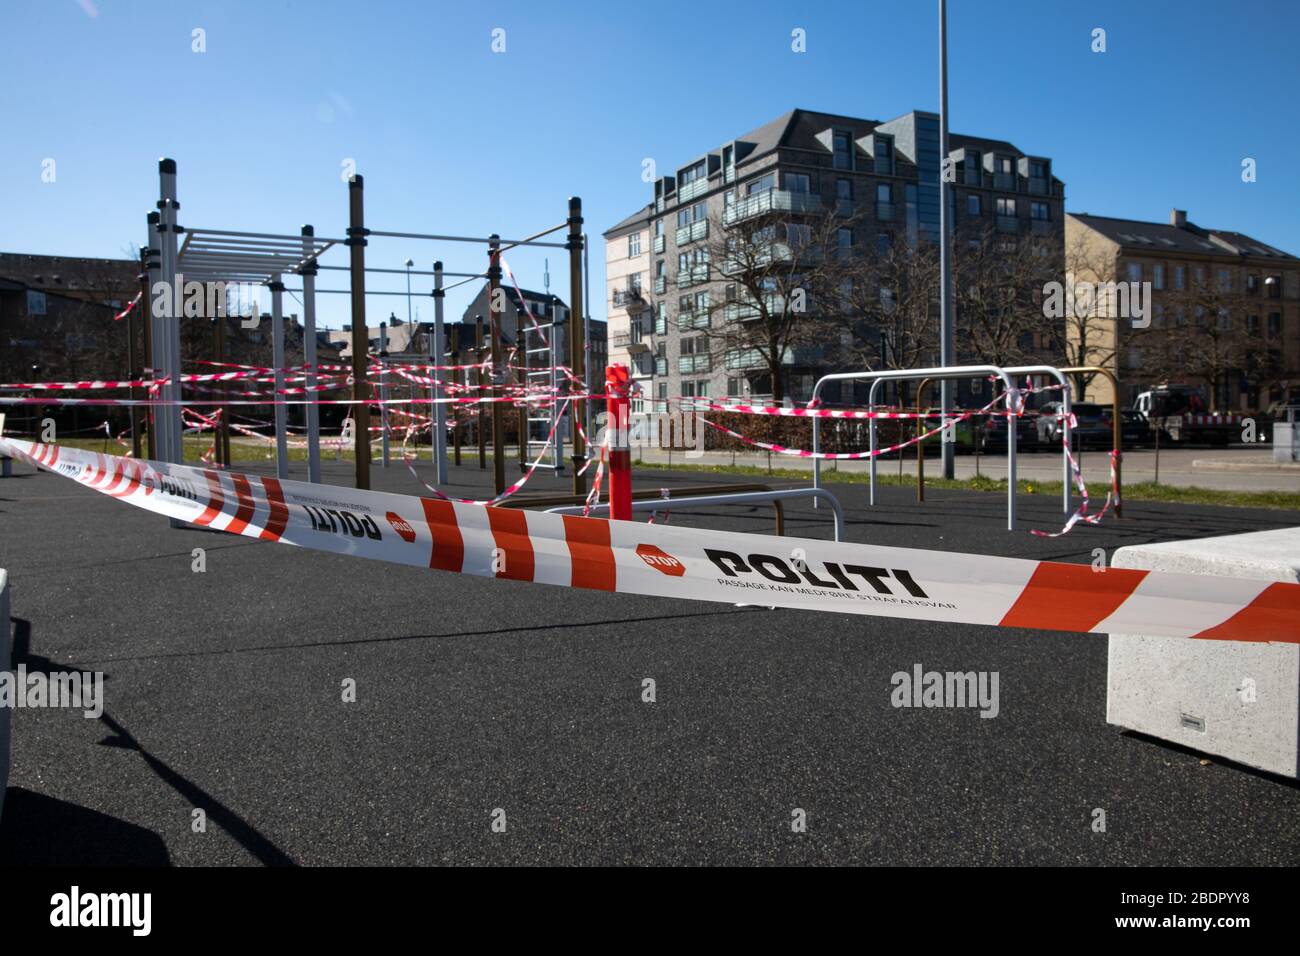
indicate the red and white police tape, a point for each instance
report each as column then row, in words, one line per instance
column 662, row 561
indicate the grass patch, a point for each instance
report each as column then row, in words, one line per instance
column 1137, row 491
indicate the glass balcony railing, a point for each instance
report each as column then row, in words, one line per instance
column 885, row 211
column 1038, row 187
column 772, row 201
column 1004, row 181
column 1008, row 224
column 659, row 244
column 694, row 364
column 661, row 285
column 693, row 275
column 692, row 189
column 693, row 233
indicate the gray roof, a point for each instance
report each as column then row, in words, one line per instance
column 1152, row 237
column 798, row 129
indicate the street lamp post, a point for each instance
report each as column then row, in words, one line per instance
column 945, row 249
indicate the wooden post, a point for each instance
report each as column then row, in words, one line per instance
column 577, row 341
column 356, row 243
column 498, row 370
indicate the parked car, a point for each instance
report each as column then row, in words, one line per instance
column 1134, row 430
column 1027, row 432
column 1092, row 429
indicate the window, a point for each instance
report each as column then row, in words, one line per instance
column 1006, row 207
column 659, row 227
column 659, row 271
column 844, row 240
column 1274, row 324
column 884, row 192
column 683, row 217
column 733, row 387
column 35, row 302
column 1225, row 319
column 1252, row 285
column 1037, row 169
column 1180, row 277
column 973, row 169
column 1225, row 280
column 843, row 189
column 661, row 319
column 1158, row 276
column 634, row 245
column 760, row 185
column 798, row 235
column 883, row 241
column 688, row 389
column 692, row 173
column 1135, row 272
column 633, row 283
column 884, row 155
column 843, row 151
column 702, row 388
column 972, row 204
column 1252, row 324
column 1005, row 165
column 797, row 182
column 1039, row 211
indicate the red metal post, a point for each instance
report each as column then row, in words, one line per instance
column 617, row 409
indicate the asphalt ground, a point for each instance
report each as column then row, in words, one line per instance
column 224, row 693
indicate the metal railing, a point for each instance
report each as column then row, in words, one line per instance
column 708, row 501
column 896, row 375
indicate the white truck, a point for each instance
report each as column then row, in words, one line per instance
column 1181, row 414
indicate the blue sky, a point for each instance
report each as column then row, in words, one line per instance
column 453, row 138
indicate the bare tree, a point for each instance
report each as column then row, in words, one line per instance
column 780, row 267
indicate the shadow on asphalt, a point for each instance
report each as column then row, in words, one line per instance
column 41, row 831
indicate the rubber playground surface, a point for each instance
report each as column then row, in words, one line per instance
column 473, row 695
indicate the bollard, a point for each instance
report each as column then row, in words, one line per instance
column 620, row 452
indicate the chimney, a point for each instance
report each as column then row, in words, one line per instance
column 1178, row 217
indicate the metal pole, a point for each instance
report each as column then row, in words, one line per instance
column 223, row 423
column 1012, row 402
column 577, row 341
column 439, row 350
column 277, row 352
column 498, row 371
column 945, row 246
column 308, row 273
column 586, row 326
column 168, row 346
column 137, row 319
column 383, row 394
column 356, row 242
column 480, row 429
column 152, row 327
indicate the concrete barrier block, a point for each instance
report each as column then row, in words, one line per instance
column 6, row 663
column 1229, row 699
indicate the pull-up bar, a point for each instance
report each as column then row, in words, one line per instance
column 507, row 243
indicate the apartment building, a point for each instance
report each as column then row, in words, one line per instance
column 882, row 177
column 1224, row 309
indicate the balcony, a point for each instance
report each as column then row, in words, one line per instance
column 631, row 341
column 1005, row 181
column 630, row 299
column 698, row 319
column 659, row 244
column 661, row 366
column 661, row 285
column 1008, row 224
column 748, row 311
column 694, row 364
column 694, row 275
column 697, row 188
column 844, row 207
column 772, row 201
column 1038, row 187
column 885, row 211
column 1041, row 227
column 693, row 233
